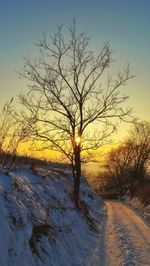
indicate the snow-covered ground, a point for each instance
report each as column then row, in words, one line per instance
column 127, row 237
column 39, row 224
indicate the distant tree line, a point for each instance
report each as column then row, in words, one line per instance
column 128, row 164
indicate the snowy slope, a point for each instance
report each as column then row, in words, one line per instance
column 39, row 224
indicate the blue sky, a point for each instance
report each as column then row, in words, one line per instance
column 126, row 24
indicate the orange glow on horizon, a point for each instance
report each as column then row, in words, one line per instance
column 50, row 155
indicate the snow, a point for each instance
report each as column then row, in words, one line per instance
column 143, row 210
column 127, row 237
column 5, row 181
column 39, row 224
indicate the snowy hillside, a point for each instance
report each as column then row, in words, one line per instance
column 39, row 224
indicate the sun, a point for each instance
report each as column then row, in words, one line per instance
column 77, row 140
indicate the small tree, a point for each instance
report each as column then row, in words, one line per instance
column 66, row 107
column 12, row 132
column 6, row 124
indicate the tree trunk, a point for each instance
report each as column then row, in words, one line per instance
column 77, row 175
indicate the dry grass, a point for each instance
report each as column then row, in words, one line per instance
column 143, row 193
column 85, row 212
column 37, row 232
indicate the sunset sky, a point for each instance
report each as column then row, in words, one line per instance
column 126, row 24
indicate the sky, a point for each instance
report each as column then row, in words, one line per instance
column 126, row 24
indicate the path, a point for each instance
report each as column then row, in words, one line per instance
column 127, row 237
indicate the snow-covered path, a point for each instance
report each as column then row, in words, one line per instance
column 127, row 237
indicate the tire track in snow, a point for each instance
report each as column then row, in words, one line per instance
column 127, row 237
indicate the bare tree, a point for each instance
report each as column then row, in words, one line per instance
column 12, row 132
column 128, row 163
column 6, row 124
column 72, row 102
column 139, row 141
